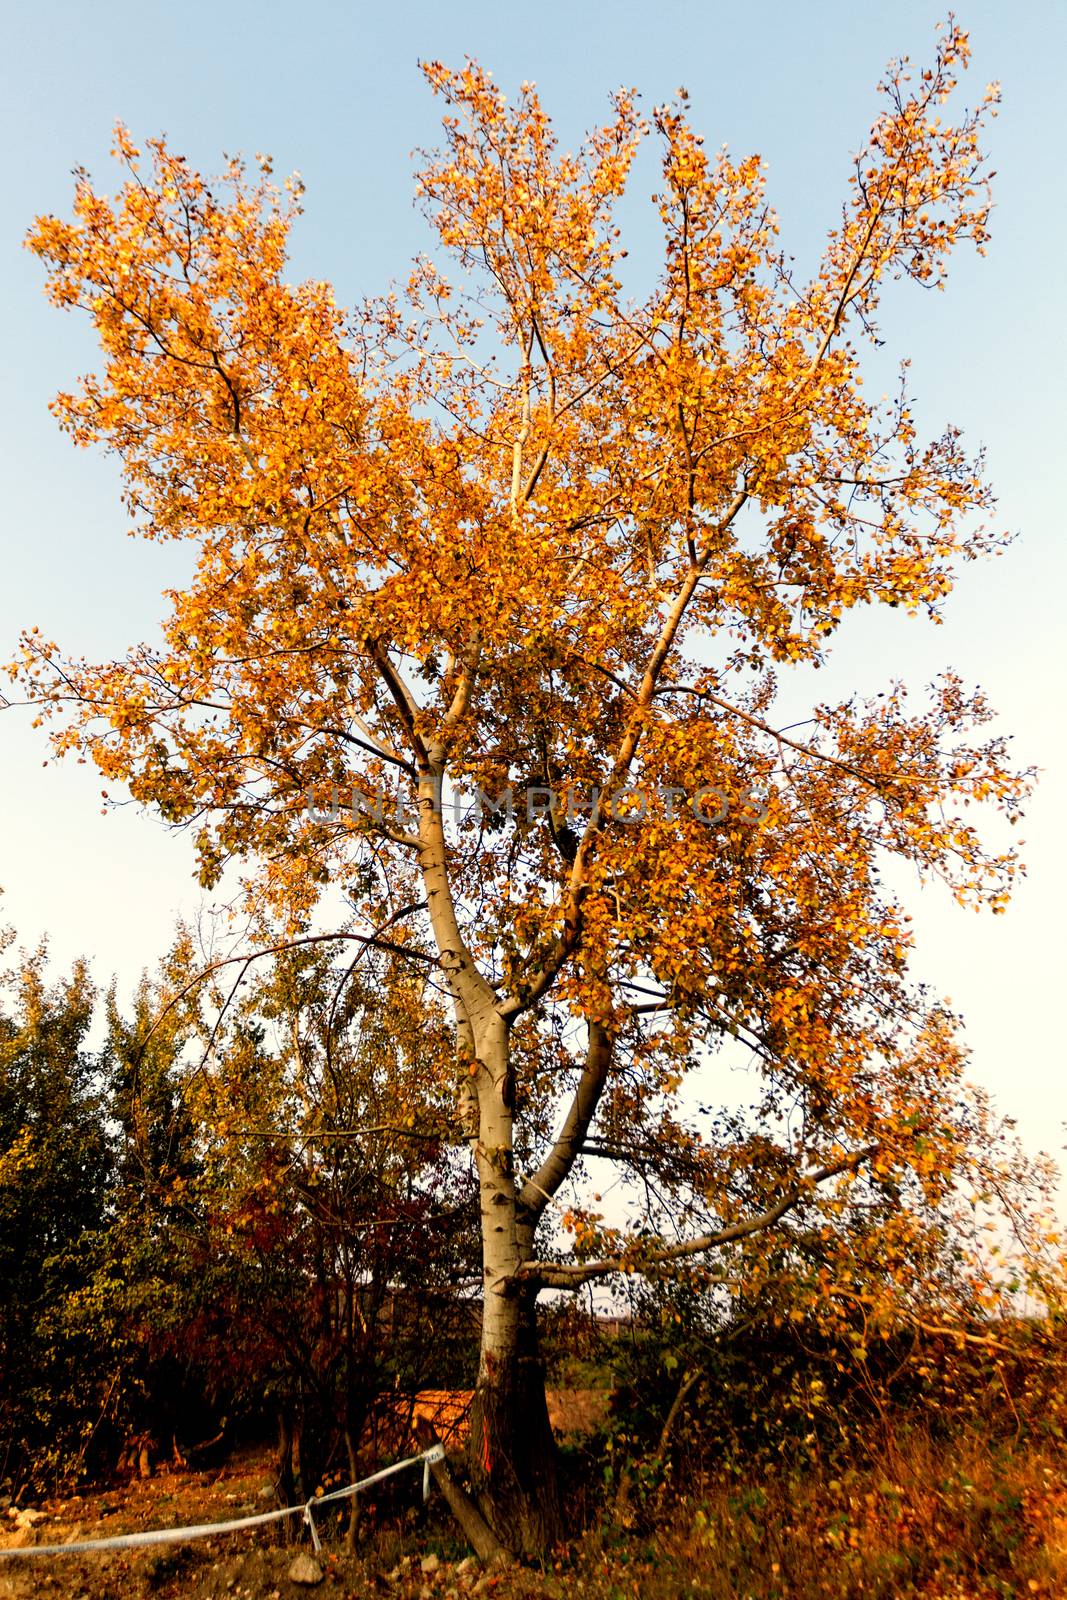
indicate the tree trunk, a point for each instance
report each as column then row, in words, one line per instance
column 512, row 1460
column 284, row 1477
column 512, row 1454
column 512, row 1451
column 354, row 1505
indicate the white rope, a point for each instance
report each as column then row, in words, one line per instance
column 208, row 1530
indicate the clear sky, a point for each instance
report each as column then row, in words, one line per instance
column 333, row 90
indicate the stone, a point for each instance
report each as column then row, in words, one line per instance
column 429, row 1564
column 305, row 1569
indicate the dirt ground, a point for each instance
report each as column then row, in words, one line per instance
column 250, row 1565
column 398, row 1539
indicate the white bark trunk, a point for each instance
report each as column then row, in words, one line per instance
column 512, row 1456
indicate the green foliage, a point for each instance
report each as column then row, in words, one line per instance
column 327, row 1188
column 220, row 1215
column 56, row 1159
column 260, row 1211
column 706, row 1384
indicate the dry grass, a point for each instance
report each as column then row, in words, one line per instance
column 940, row 1519
column 952, row 1520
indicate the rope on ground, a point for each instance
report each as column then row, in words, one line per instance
column 209, row 1530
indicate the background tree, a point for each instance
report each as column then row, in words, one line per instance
column 327, row 1190
column 528, row 530
column 55, row 1174
column 221, row 1218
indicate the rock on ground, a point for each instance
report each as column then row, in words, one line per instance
column 305, row 1569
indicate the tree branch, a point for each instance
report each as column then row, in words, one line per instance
column 573, row 1274
column 556, row 1167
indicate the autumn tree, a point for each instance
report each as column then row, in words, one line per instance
column 521, row 534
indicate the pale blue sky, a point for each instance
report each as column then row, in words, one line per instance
column 333, row 91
